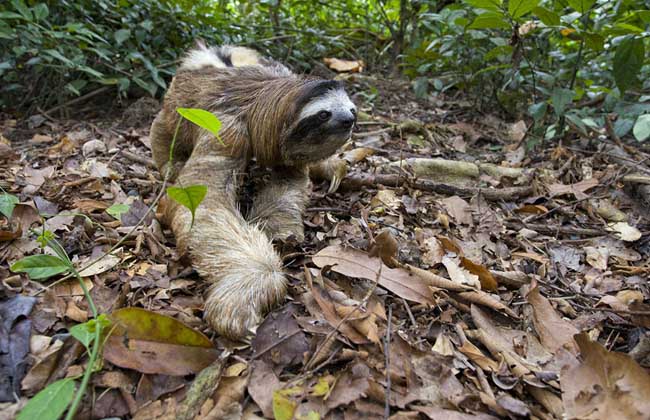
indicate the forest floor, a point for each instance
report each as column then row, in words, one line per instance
column 514, row 282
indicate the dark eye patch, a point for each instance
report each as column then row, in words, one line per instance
column 324, row 115
column 306, row 126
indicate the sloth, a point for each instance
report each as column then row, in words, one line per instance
column 281, row 121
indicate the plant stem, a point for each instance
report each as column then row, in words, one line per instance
column 93, row 353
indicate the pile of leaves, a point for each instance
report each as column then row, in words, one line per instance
column 452, row 275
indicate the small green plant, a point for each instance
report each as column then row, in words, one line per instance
column 192, row 195
column 53, row 400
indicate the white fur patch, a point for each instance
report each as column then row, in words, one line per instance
column 202, row 57
column 241, row 56
column 335, row 100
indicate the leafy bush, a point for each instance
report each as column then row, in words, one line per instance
column 57, row 49
column 526, row 57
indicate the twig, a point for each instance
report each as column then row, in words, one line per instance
column 408, row 311
column 139, row 159
column 616, row 311
column 79, row 99
column 392, row 180
column 387, row 353
column 549, row 229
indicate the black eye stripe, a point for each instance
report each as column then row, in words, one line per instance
column 307, row 125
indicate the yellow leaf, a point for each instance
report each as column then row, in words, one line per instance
column 283, row 407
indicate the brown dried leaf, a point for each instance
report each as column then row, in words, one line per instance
column 606, row 385
column 435, row 280
column 481, row 298
column 578, row 189
column 554, row 332
column 488, row 282
column 329, row 312
column 385, row 247
column 354, row 263
column 336, row 64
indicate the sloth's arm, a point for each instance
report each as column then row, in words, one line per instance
column 279, row 205
column 236, row 257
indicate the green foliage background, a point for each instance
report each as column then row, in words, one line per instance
column 543, row 58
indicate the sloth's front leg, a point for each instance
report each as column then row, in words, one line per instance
column 235, row 256
column 278, row 207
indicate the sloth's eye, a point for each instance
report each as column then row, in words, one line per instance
column 324, row 115
column 353, row 111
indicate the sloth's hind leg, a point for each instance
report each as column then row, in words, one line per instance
column 236, row 257
column 279, row 205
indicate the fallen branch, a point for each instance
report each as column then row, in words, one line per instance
column 393, row 180
column 139, row 159
column 78, row 100
column 552, row 230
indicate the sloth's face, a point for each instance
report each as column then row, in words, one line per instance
column 324, row 124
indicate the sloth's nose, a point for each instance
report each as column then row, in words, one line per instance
column 347, row 122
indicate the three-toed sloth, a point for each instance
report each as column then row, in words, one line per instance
column 273, row 117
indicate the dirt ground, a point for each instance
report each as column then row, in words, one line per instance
column 514, row 280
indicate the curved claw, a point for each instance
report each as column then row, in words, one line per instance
column 339, row 169
column 334, row 184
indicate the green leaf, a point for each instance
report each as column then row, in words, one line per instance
column 20, row 6
column 490, row 20
column 628, row 61
column 577, row 123
column 560, row 99
column 420, row 87
column 518, row 8
column 594, row 41
column 50, row 403
column 642, row 128
column 41, row 11
column 189, row 197
column 10, row 15
column 537, row 111
column 85, row 332
column 644, row 15
column 122, row 35
column 7, row 204
column 581, row 5
column 493, row 5
column 116, row 210
column 626, row 28
column 204, row 119
column 40, row 266
column 548, row 17
column 622, row 126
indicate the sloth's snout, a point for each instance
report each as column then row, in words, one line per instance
column 347, row 122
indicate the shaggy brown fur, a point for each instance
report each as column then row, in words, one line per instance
column 258, row 105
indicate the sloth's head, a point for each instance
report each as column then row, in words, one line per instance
column 324, row 122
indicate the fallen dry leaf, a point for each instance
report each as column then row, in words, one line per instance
column 154, row 343
column 578, row 189
column 624, row 231
column 336, row 64
column 605, row 385
column 354, row 263
column 554, row 332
